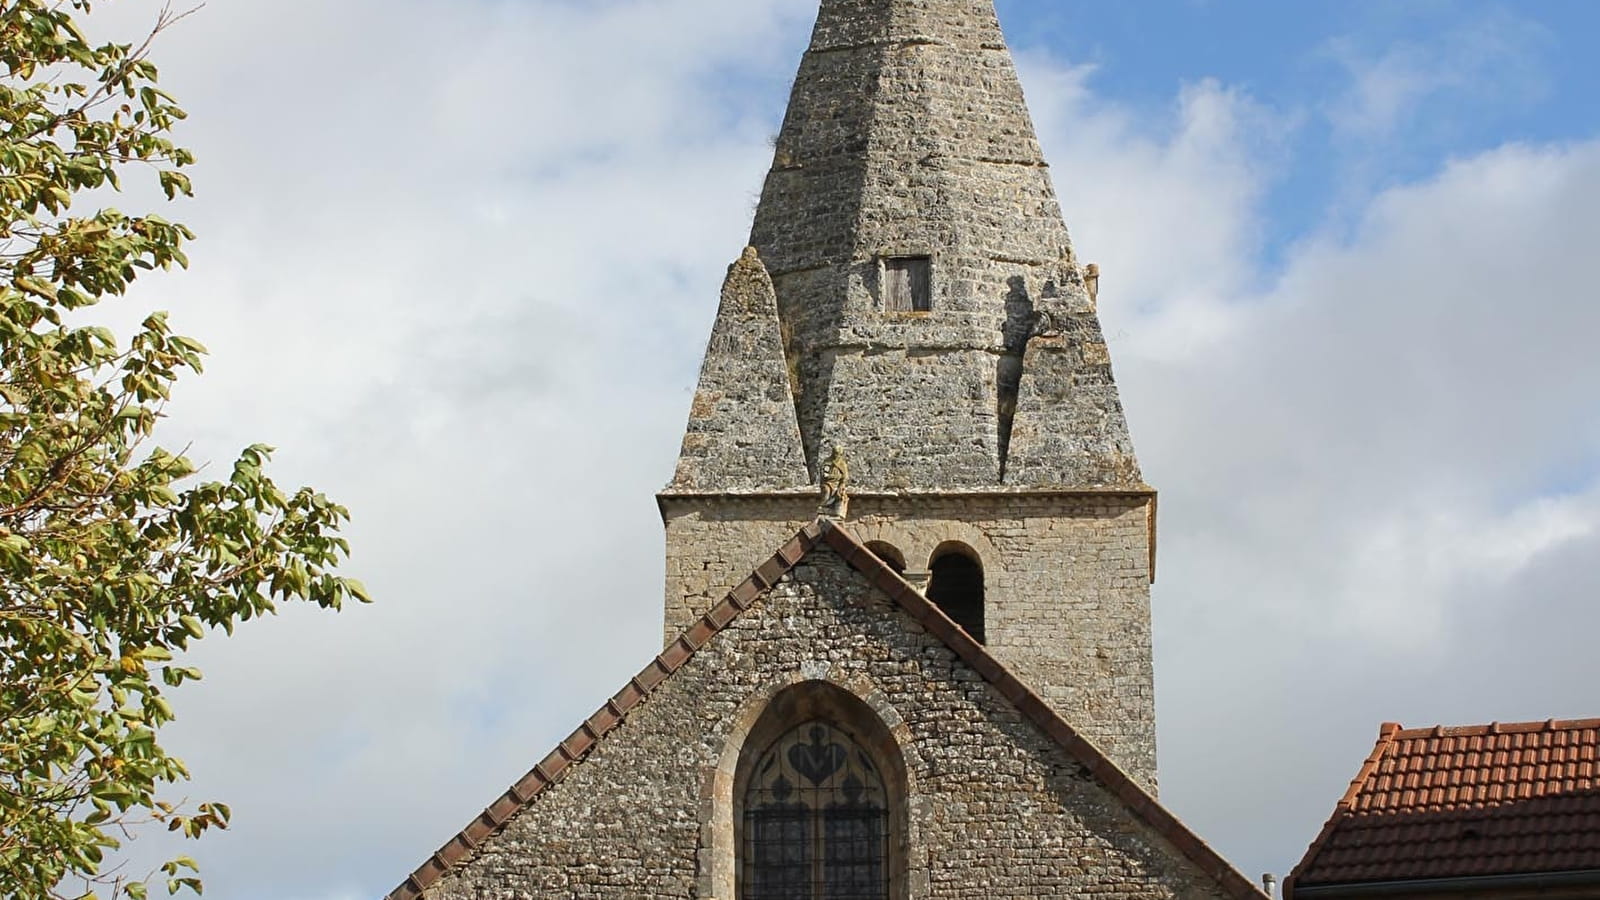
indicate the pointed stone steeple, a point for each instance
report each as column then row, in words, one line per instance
column 920, row 309
column 742, row 434
column 916, row 245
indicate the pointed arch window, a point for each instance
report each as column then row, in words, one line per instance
column 816, row 820
column 819, row 802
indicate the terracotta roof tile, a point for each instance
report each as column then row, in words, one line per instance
column 1497, row 799
column 571, row 751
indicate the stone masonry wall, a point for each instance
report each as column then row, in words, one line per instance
column 996, row 809
column 1067, row 587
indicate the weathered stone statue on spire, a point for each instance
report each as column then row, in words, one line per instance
column 835, row 486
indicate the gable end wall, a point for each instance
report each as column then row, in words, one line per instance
column 999, row 810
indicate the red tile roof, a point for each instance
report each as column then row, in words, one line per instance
column 825, row 532
column 1485, row 800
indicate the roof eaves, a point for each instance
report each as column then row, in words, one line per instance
column 1540, row 883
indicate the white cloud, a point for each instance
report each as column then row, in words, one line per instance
column 465, row 298
column 1187, row 183
column 1380, row 462
column 1483, row 61
column 458, row 261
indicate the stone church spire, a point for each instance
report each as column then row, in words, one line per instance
column 936, row 323
column 955, row 643
column 911, row 302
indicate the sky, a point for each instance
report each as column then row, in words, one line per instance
column 458, row 261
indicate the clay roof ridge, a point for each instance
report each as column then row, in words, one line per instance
column 1548, row 725
column 1387, row 733
column 549, row 770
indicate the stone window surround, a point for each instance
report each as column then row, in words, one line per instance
column 816, row 690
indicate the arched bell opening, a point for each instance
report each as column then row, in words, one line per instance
column 891, row 556
column 956, row 586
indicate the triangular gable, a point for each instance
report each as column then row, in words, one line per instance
column 824, row 532
column 1340, row 810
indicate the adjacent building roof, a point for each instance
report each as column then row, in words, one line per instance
column 823, row 532
column 1474, row 802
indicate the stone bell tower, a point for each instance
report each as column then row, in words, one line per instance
column 911, row 298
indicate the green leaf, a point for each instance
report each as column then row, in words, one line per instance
column 114, row 557
column 357, row 589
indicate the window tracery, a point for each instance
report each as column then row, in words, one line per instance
column 816, row 819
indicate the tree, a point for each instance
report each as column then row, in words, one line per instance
column 114, row 554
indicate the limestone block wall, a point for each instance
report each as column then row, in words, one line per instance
column 995, row 808
column 715, row 542
column 1067, row 586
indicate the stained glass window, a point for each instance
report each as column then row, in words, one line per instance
column 816, row 822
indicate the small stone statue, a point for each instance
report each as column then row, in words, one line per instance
column 1091, row 280
column 835, row 486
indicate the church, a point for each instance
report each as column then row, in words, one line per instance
column 909, row 548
